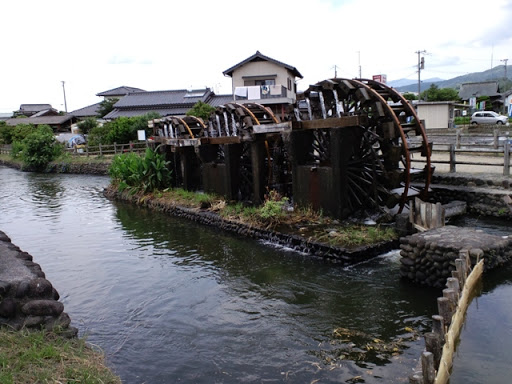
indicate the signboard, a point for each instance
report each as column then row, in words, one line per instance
column 141, row 135
column 380, row 78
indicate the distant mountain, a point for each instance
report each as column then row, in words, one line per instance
column 406, row 82
column 495, row 74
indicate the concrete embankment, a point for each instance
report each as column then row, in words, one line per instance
column 27, row 299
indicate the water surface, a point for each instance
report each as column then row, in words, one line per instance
column 172, row 301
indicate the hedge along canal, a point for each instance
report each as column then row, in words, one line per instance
column 168, row 299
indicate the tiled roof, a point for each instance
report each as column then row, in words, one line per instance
column 164, row 111
column 46, row 112
column 34, row 107
column 259, row 57
column 119, row 91
column 217, row 100
column 469, row 90
column 163, row 98
column 50, row 120
column 91, row 110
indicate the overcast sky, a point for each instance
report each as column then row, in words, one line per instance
column 96, row 45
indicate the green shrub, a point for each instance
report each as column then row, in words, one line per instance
column 21, row 131
column 16, row 150
column 140, row 174
column 121, row 130
column 39, row 148
column 87, row 125
column 5, row 133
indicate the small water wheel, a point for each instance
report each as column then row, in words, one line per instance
column 379, row 171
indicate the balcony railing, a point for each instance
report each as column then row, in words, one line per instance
column 259, row 92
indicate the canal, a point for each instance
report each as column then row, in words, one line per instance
column 172, row 301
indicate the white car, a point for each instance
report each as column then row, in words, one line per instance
column 488, row 117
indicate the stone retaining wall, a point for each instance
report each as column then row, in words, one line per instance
column 27, row 299
column 298, row 243
column 490, row 196
column 429, row 257
column 92, row 168
column 478, row 202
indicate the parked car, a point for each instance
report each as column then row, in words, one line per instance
column 488, row 117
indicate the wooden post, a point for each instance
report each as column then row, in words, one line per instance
column 427, row 367
column 455, row 275
column 444, row 307
column 115, row 148
column 460, row 265
column 438, row 327
column 87, row 149
column 451, row 295
column 101, row 153
column 496, row 140
column 130, row 144
column 506, row 157
column 457, row 138
column 434, row 346
column 453, row 283
column 452, row 158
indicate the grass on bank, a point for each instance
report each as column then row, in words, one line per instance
column 45, row 357
column 64, row 159
column 276, row 213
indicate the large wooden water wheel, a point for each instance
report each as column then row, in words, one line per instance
column 263, row 163
column 379, row 171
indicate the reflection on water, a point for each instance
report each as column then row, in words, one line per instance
column 169, row 300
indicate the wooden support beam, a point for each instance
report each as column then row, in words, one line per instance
column 335, row 122
column 221, row 140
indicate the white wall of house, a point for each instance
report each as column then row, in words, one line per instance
column 436, row 115
column 247, row 74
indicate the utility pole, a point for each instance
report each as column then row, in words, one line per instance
column 505, row 61
column 421, row 65
column 65, row 103
column 359, row 59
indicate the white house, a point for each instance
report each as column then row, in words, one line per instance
column 264, row 80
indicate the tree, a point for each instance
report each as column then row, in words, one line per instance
column 434, row 93
column 409, row 96
column 87, row 125
column 106, row 106
column 201, row 110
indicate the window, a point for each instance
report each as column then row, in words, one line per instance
column 265, row 82
column 289, row 84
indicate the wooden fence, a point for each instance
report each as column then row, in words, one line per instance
column 437, row 359
column 482, row 150
column 107, row 150
column 97, row 150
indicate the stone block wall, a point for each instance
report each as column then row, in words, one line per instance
column 27, row 298
column 429, row 257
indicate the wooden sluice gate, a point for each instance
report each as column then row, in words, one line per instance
column 344, row 148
